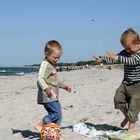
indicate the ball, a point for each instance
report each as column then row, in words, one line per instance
column 51, row 131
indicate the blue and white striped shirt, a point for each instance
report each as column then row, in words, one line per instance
column 131, row 65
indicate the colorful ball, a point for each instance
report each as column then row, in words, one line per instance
column 51, row 131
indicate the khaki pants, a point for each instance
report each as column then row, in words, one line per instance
column 129, row 96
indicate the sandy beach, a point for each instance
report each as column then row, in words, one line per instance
column 91, row 101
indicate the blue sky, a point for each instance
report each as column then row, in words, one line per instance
column 26, row 26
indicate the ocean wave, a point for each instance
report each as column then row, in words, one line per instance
column 7, row 71
column 20, row 73
column 2, row 70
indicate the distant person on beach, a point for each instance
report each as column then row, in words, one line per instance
column 127, row 97
column 49, row 84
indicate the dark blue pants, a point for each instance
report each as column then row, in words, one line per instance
column 54, row 113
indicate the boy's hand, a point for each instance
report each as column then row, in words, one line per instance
column 98, row 58
column 48, row 92
column 68, row 89
column 111, row 55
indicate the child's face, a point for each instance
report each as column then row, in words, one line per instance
column 132, row 48
column 54, row 56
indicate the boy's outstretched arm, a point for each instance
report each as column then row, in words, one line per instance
column 131, row 61
column 104, row 59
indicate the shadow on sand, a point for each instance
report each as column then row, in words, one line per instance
column 103, row 127
column 27, row 134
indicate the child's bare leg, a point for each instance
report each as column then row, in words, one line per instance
column 131, row 130
column 125, row 121
column 131, row 127
column 39, row 126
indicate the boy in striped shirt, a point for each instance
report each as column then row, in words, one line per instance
column 127, row 97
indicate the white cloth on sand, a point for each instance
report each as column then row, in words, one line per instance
column 83, row 129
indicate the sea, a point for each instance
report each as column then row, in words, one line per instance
column 19, row 71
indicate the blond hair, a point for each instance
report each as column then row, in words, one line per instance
column 51, row 46
column 131, row 36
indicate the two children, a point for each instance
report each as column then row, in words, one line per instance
column 127, row 97
column 49, row 84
